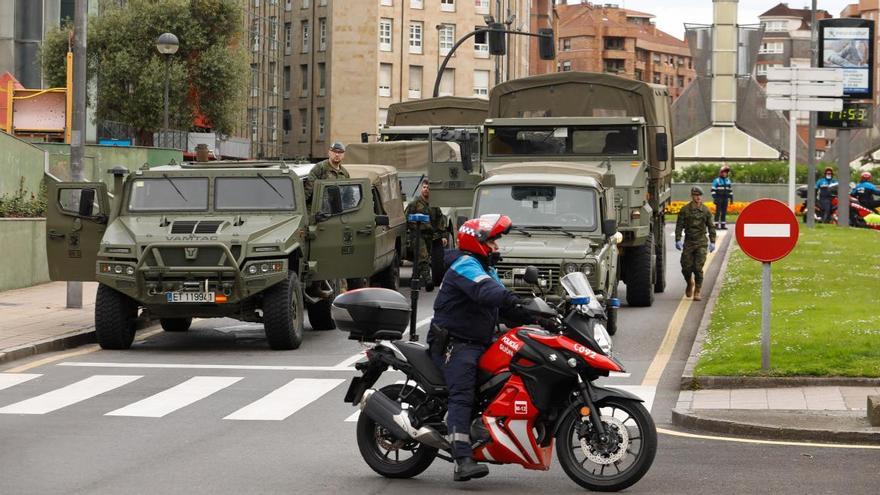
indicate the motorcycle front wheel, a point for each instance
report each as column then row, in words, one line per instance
column 616, row 463
column 383, row 452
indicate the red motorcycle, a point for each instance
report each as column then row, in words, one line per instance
column 535, row 387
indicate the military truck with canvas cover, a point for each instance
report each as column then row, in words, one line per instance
column 601, row 121
column 564, row 221
column 410, row 120
column 223, row 239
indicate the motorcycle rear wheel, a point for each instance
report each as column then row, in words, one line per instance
column 382, row 452
column 586, row 462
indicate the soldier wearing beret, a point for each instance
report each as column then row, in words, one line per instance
column 331, row 168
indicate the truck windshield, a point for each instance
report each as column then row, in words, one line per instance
column 606, row 140
column 538, row 206
column 169, row 193
column 253, row 193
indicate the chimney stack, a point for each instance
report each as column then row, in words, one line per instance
column 724, row 54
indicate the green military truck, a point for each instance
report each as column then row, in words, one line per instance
column 223, row 239
column 410, row 120
column 597, row 121
column 564, row 221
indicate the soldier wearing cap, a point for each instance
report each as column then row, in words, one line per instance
column 695, row 220
column 331, row 168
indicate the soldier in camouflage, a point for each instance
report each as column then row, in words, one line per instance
column 431, row 233
column 695, row 220
column 330, row 168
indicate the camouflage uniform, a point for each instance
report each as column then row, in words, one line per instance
column 695, row 221
column 322, row 171
column 430, row 233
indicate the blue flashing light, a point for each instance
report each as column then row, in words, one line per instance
column 580, row 300
column 418, row 218
column 614, row 302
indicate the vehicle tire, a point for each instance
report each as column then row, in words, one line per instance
column 176, row 324
column 635, row 429
column 660, row 262
column 388, row 278
column 380, row 450
column 114, row 318
column 640, row 274
column 283, row 317
column 438, row 265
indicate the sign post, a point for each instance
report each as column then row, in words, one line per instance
column 766, row 230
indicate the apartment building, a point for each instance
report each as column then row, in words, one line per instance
column 606, row 38
column 23, row 24
column 346, row 61
column 263, row 109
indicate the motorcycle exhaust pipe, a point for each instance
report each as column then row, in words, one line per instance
column 388, row 413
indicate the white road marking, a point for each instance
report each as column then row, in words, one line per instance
column 354, row 417
column 766, row 230
column 646, row 393
column 204, row 366
column 350, row 361
column 286, row 400
column 674, row 433
column 12, row 379
column 177, row 397
column 71, row 394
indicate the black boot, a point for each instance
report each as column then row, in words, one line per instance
column 466, row 469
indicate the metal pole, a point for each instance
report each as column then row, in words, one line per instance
column 414, row 284
column 497, row 57
column 765, row 319
column 811, row 159
column 843, row 178
column 165, row 122
column 78, row 122
column 792, row 151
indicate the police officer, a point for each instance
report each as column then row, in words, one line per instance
column 722, row 194
column 826, row 188
column 695, row 220
column 865, row 191
column 431, row 233
column 466, row 312
column 331, row 168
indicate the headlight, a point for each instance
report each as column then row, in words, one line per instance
column 129, row 270
column 587, row 269
column 569, row 268
column 117, row 269
column 600, row 335
column 264, row 268
column 252, row 269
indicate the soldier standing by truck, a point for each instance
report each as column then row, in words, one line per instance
column 695, row 220
column 331, row 168
column 431, row 233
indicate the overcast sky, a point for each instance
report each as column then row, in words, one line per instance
column 671, row 15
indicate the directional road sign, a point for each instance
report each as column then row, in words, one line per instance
column 787, row 88
column 767, row 230
column 798, row 103
column 804, row 74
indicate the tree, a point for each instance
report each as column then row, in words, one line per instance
column 207, row 75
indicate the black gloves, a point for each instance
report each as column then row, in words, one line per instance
column 513, row 314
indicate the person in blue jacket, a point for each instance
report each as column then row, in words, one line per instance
column 722, row 194
column 827, row 189
column 466, row 312
column 866, row 192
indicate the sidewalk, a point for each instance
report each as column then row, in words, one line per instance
column 35, row 320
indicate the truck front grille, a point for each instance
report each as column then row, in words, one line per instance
column 177, row 256
column 512, row 281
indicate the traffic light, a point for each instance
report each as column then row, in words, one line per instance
column 497, row 40
column 546, row 44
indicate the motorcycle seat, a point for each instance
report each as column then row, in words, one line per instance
column 427, row 372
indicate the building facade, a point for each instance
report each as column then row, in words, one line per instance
column 23, row 24
column 605, row 38
column 869, row 9
column 263, row 109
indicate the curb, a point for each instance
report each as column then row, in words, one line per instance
column 60, row 343
column 690, row 420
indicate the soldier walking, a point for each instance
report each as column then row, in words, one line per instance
column 331, row 168
column 695, row 220
column 431, row 233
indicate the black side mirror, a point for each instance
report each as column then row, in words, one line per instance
column 86, row 202
column 662, row 147
column 609, row 227
column 382, row 220
column 531, row 275
column 465, row 143
column 365, row 137
column 497, row 39
column 546, row 44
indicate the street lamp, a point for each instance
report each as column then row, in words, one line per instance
column 167, row 45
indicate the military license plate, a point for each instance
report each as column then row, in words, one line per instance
column 189, row 297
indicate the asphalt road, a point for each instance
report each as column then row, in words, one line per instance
column 215, row 411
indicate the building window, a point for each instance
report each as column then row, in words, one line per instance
column 775, row 26
column 639, row 75
column 273, row 33
column 322, row 2
column 415, row 37
column 385, row 79
column 481, row 44
column 615, row 66
column 255, row 80
column 305, row 4
column 252, row 122
column 481, row 83
column 415, row 81
column 288, row 41
column 565, row 44
column 322, row 34
column 385, row 35
column 447, row 83
column 305, row 36
column 680, row 81
column 285, row 123
column 447, row 38
column 255, row 35
column 288, row 5
column 321, row 121
column 614, row 43
column 387, row 2
column 656, row 58
column 656, row 78
column 273, row 77
column 820, row 154
column 273, row 124
column 565, row 67
column 761, row 69
column 820, row 133
column 416, row 4
column 287, row 81
column 383, row 116
column 482, row 6
column 772, row 47
column 303, row 124
column 304, row 73
column 322, row 79
column 447, row 5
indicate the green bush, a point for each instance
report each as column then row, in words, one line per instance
column 24, row 204
column 771, row 172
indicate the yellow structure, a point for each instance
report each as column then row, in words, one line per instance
column 40, row 112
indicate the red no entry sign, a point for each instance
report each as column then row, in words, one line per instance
column 767, row 230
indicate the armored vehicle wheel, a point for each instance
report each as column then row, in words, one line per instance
column 660, row 250
column 640, row 274
column 176, row 324
column 283, row 316
column 388, row 278
column 438, row 266
column 114, row 318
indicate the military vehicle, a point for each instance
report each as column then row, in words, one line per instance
column 223, row 239
column 597, row 121
column 410, row 120
column 564, row 221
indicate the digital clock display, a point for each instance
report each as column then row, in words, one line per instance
column 852, row 115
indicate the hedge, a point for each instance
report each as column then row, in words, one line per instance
column 771, row 172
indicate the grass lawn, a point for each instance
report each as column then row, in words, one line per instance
column 824, row 310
